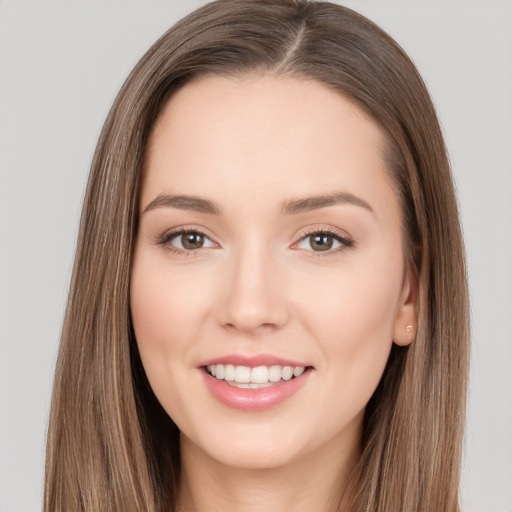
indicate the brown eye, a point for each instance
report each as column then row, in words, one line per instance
column 321, row 242
column 192, row 240
column 186, row 241
column 324, row 241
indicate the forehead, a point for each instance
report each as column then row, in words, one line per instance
column 263, row 138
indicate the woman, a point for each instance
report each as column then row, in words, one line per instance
column 268, row 307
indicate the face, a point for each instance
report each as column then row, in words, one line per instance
column 270, row 254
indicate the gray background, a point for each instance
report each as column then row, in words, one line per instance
column 61, row 64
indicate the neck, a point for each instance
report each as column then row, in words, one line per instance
column 315, row 481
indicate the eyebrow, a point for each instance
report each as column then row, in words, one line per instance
column 290, row 207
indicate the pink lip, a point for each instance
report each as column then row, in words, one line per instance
column 259, row 399
column 252, row 361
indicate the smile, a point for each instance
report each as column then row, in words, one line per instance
column 244, row 377
column 254, row 386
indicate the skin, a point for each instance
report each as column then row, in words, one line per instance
column 258, row 285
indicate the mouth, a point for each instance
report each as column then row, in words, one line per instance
column 254, row 388
column 245, row 377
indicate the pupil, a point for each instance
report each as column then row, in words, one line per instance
column 192, row 240
column 322, row 242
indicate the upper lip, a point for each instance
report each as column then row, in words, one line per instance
column 252, row 361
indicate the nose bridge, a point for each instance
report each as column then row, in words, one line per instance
column 252, row 295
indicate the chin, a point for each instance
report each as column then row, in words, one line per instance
column 275, row 444
column 246, row 455
column 256, row 447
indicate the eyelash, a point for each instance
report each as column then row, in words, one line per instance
column 345, row 242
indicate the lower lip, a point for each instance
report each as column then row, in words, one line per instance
column 259, row 399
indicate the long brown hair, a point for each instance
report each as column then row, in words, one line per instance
column 111, row 446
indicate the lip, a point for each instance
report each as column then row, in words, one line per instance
column 252, row 361
column 253, row 399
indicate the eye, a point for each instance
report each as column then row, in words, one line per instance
column 324, row 241
column 186, row 240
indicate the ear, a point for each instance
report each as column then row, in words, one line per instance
column 406, row 319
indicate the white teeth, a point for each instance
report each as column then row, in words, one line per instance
column 274, row 373
column 242, row 374
column 249, row 385
column 221, row 372
column 298, row 370
column 257, row 377
column 229, row 372
column 287, row 373
column 252, row 385
column 241, row 385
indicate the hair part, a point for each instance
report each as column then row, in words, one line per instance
column 111, row 446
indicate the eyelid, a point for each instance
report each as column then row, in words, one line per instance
column 311, row 230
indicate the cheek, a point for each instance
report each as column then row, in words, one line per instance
column 167, row 311
column 361, row 312
column 155, row 312
column 166, row 305
column 166, row 308
column 353, row 325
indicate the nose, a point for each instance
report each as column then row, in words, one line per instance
column 252, row 297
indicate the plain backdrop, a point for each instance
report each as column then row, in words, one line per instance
column 62, row 63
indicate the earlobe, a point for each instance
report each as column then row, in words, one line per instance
column 406, row 320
